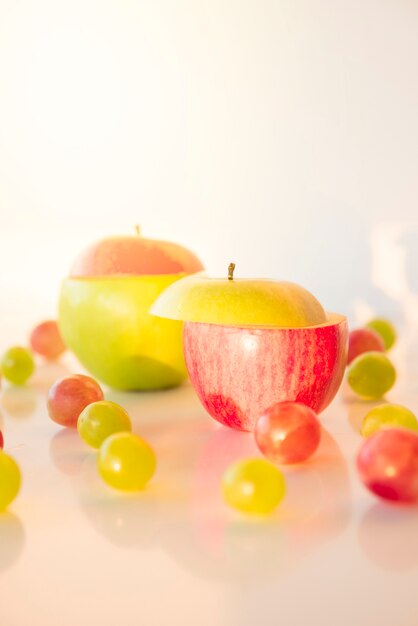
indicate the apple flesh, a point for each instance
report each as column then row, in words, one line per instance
column 239, row 372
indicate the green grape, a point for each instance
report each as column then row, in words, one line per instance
column 17, row 365
column 9, row 479
column 388, row 416
column 371, row 375
column 253, row 486
column 385, row 329
column 101, row 419
column 126, row 461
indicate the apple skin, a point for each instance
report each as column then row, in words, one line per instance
column 238, row 372
column 134, row 256
column 106, row 323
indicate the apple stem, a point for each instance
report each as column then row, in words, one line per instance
column 231, row 268
column 138, row 230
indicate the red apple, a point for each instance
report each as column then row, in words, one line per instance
column 239, row 372
column 251, row 343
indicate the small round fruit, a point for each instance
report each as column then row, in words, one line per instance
column 17, row 365
column 371, row 375
column 1, row 440
column 101, row 419
column 253, row 486
column 388, row 464
column 388, row 416
column 126, row 461
column 385, row 329
column 68, row 396
column 45, row 339
column 363, row 340
column 9, row 480
column 288, row 432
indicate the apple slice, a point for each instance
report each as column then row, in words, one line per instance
column 242, row 302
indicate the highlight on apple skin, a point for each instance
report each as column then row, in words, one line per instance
column 239, row 372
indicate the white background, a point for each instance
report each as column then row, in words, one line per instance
column 282, row 135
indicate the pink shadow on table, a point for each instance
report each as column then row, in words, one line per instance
column 216, row 542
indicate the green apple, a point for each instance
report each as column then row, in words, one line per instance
column 104, row 312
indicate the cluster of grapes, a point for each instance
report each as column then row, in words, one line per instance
column 17, row 366
column 388, row 460
column 287, row 433
column 125, row 461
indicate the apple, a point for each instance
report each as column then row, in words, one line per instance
column 266, row 342
column 104, row 312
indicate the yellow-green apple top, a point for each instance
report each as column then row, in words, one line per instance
column 239, row 302
column 104, row 311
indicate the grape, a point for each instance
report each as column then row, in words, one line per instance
column 363, row 340
column 385, row 329
column 288, row 432
column 1, row 440
column 45, row 339
column 388, row 416
column 126, row 461
column 9, row 479
column 69, row 396
column 101, row 419
column 17, row 365
column 388, row 464
column 371, row 375
column 253, row 486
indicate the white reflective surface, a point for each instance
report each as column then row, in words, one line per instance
column 76, row 552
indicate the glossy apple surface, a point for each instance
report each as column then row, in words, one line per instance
column 104, row 312
column 239, row 372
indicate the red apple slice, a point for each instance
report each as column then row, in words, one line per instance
column 134, row 256
column 239, row 372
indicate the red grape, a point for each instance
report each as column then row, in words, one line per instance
column 69, row 396
column 288, row 432
column 363, row 340
column 388, row 464
column 45, row 339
